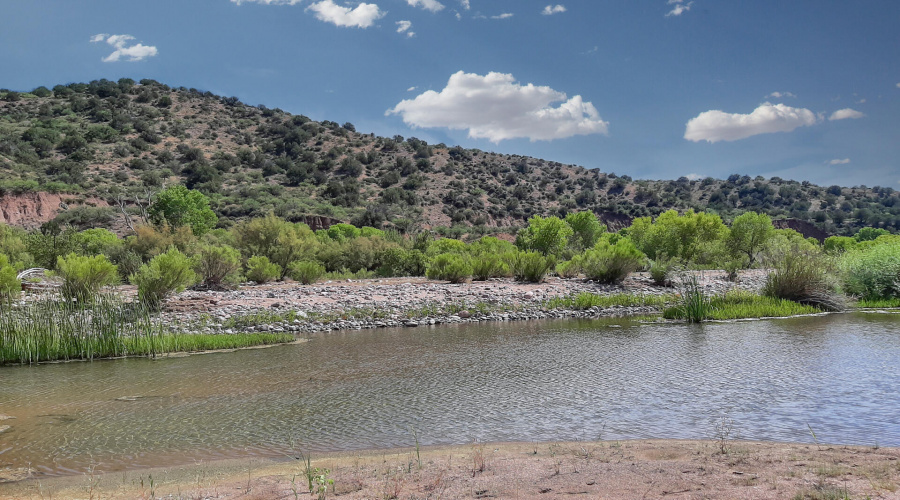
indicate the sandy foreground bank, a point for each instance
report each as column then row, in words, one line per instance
column 605, row 469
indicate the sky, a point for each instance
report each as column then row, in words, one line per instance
column 655, row 89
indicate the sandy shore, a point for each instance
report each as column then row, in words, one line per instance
column 605, row 469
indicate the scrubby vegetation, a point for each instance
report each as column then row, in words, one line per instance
column 109, row 146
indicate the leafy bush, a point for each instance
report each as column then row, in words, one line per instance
column 661, row 270
column 261, row 270
column 548, row 236
column 873, row 273
column 95, row 241
column 611, row 263
column 486, row 266
column 218, row 266
column 166, row 273
column 401, row 262
column 276, row 239
column 306, row 272
column 532, row 267
column 84, row 276
column 10, row 287
column 179, row 206
column 451, row 267
column 148, row 241
column 568, row 269
column 802, row 276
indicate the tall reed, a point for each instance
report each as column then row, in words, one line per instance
column 51, row 329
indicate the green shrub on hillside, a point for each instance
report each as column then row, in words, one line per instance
column 84, row 276
column 218, row 266
column 261, row 270
column 454, row 268
column 873, row 273
column 306, row 272
column 10, row 287
column 166, row 273
column 611, row 263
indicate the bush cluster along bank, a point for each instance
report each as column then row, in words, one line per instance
column 182, row 250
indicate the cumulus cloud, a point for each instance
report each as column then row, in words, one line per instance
column 844, row 114
column 403, row 27
column 363, row 15
column 553, row 9
column 837, row 161
column 679, row 7
column 714, row 125
column 465, row 5
column 779, row 95
column 124, row 48
column 268, row 2
column 496, row 107
column 432, row 5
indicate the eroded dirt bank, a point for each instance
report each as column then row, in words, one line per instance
column 605, row 469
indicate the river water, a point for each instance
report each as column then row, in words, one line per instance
column 531, row 381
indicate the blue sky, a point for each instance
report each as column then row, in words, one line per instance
column 805, row 89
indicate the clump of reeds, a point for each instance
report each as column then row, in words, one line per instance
column 804, row 277
column 50, row 329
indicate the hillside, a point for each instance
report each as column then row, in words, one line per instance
column 79, row 152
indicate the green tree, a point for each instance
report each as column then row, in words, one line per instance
column 692, row 237
column 548, row 236
column 750, row 233
column 166, row 273
column 276, row 239
column 869, row 234
column 586, row 229
column 180, row 206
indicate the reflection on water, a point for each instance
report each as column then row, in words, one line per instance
column 536, row 381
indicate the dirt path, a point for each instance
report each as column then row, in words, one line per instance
column 606, row 469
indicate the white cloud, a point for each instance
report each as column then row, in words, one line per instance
column 898, row 85
column 680, row 7
column 432, row 5
column 411, row 89
column 844, row 114
column 714, row 125
column 124, row 48
column 695, row 177
column 363, row 16
column 839, row 162
column 403, row 27
column 505, row 15
column 465, row 5
column 268, row 2
column 553, row 9
column 496, row 107
column 779, row 95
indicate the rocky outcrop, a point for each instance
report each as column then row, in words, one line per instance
column 614, row 221
column 30, row 210
column 805, row 228
column 316, row 222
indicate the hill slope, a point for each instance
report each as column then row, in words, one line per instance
column 106, row 144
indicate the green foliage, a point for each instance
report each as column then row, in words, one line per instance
column 12, row 244
column 166, row 273
column 568, row 269
column 548, row 236
column 51, row 242
column 451, row 267
column 869, row 234
column 586, row 300
column 218, row 266
column 306, row 272
column 179, row 206
column 839, row 244
column 148, row 241
column 261, row 270
column 97, row 241
column 691, row 238
column 342, row 231
column 586, row 230
column 741, row 305
column 802, row 276
column 749, row 235
column 491, row 245
column 488, row 265
column 531, row 266
column 280, row 241
column 872, row 273
column 661, row 270
column 446, row 245
column 695, row 306
column 10, row 287
column 401, row 262
column 610, row 263
column 84, row 276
